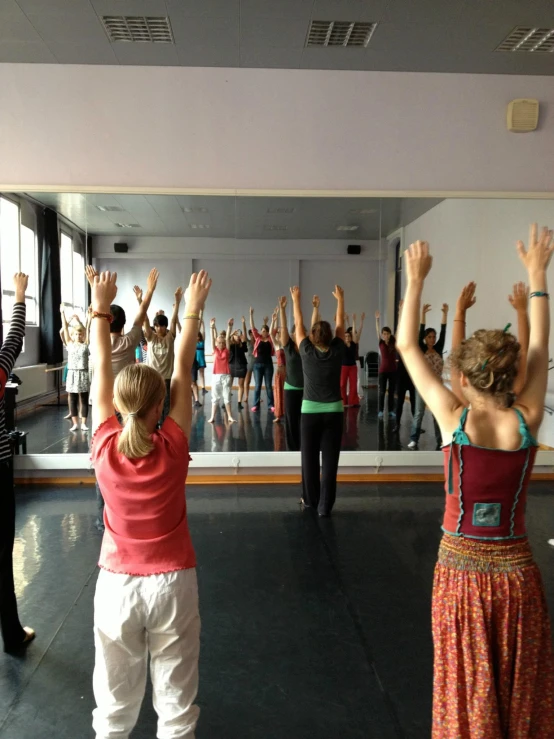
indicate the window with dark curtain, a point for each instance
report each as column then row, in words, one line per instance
column 51, row 348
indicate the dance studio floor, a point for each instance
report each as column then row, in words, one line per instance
column 48, row 432
column 310, row 628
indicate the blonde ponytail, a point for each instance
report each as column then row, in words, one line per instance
column 138, row 389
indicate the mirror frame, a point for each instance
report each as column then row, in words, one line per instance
column 251, row 467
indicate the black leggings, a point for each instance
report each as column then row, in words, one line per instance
column 12, row 631
column 404, row 385
column 320, row 432
column 385, row 377
column 78, row 405
column 293, row 407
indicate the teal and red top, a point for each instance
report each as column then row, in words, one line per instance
column 486, row 489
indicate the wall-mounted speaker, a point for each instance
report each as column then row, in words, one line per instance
column 121, row 248
column 354, row 249
column 523, row 115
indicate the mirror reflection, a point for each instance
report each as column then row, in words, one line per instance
column 255, row 249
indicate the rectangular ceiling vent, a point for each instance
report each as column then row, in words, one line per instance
column 138, row 28
column 199, row 226
column 275, row 228
column 525, row 38
column 340, row 33
column 128, row 225
column 195, row 210
column 110, row 208
column 347, row 228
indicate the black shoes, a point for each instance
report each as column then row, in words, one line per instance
column 240, row 406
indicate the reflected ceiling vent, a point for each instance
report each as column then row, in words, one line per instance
column 340, row 33
column 195, row 210
column 138, row 28
column 110, row 208
column 128, row 225
column 273, row 227
column 363, row 211
column 525, row 38
column 347, row 228
column 281, row 211
column 199, row 226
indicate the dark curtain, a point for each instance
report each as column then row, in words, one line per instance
column 51, row 347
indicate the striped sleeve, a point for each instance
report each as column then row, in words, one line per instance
column 14, row 340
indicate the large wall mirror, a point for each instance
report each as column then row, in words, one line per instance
column 255, row 248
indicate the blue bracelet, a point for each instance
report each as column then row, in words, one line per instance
column 539, row 294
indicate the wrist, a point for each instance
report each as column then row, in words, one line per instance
column 19, row 297
column 100, row 307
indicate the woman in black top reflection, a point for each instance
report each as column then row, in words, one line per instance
column 322, row 409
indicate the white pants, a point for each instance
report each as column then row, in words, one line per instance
column 134, row 616
column 221, row 388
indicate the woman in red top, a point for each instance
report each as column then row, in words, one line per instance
column 221, row 374
column 146, row 598
column 387, row 366
column 494, row 664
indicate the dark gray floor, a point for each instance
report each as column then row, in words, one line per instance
column 48, row 432
column 310, row 628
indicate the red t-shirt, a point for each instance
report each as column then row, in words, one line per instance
column 388, row 357
column 146, row 511
column 221, row 361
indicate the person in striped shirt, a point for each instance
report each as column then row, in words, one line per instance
column 14, row 635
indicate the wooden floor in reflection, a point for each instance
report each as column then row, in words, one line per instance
column 48, row 432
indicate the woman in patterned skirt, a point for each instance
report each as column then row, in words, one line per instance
column 78, row 381
column 494, row 662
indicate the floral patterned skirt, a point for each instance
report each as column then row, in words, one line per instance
column 494, row 661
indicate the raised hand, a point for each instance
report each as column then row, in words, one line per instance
column 266, row 320
column 62, row 309
column 445, row 307
column 467, row 297
column 178, row 294
column 231, row 322
column 519, row 297
column 418, row 261
column 377, row 315
column 138, row 293
column 20, row 282
column 295, row 293
column 283, row 301
column 243, row 319
column 152, row 280
column 537, row 256
column 212, row 322
column 197, row 292
column 315, row 301
column 91, row 273
column 338, row 292
column 104, row 290
column 426, row 308
column 353, row 316
column 362, row 317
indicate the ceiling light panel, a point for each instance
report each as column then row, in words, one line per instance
column 362, row 211
column 340, row 33
column 273, row 227
column 110, row 208
column 199, row 226
column 138, row 28
column 195, row 210
column 526, row 38
column 128, row 225
column 347, row 228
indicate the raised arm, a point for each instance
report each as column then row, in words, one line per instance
column 424, row 311
column 88, row 324
column 443, row 404
column 213, row 333
column 519, row 300
column 230, row 324
column 298, row 319
column 151, row 283
column 202, row 326
column 175, row 314
column 466, row 300
column 338, row 293
column 378, row 325
column 65, row 328
column 13, row 343
column 358, row 335
column 181, row 403
column 244, row 331
column 104, row 290
column 274, row 331
column 315, row 310
column 536, row 259
column 439, row 346
column 285, row 338
column 252, row 320
column 146, row 327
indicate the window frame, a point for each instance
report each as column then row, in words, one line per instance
column 8, row 291
column 64, row 231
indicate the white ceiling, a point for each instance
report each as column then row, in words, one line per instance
column 242, row 218
column 412, row 35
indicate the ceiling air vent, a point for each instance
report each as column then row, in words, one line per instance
column 127, row 225
column 340, row 33
column 139, row 28
column 272, row 227
column 524, row 38
column 199, row 226
column 347, row 228
column 109, row 208
column 195, row 210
